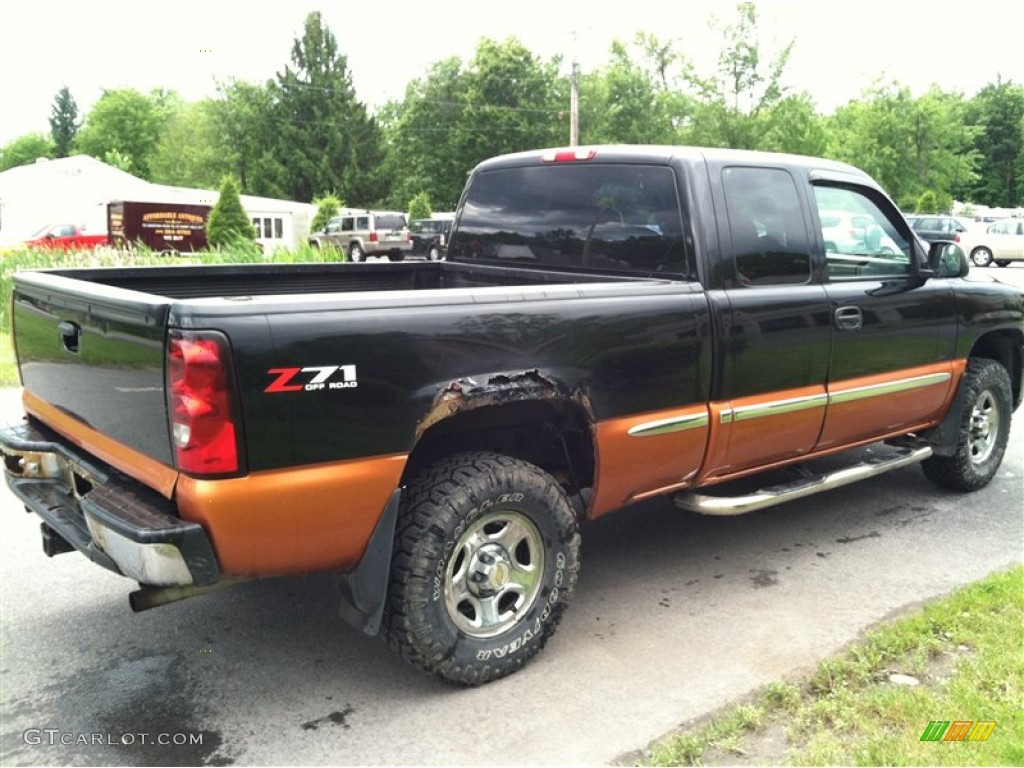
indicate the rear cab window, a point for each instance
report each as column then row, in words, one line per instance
column 616, row 218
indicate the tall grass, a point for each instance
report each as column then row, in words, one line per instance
column 19, row 259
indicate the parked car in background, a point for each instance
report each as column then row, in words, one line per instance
column 366, row 233
column 847, row 232
column 430, row 236
column 932, row 228
column 998, row 243
column 66, row 237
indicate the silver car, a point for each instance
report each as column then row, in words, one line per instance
column 998, row 243
column 366, row 233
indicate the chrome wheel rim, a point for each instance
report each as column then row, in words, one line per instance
column 984, row 427
column 493, row 575
column 981, row 257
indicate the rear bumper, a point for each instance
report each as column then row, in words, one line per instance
column 113, row 520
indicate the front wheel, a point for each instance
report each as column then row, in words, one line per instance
column 486, row 557
column 981, row 257
column 356, row 253
column 983, row 430
column 434, row 253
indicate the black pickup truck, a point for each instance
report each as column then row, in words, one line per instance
column 611, row 324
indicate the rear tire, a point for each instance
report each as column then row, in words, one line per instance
column 434, row 253
column 356, row 253
column 983, row 431
column 486, row 557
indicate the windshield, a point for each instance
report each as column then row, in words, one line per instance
column 41, row 232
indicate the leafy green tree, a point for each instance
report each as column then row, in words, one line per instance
column 631, row 101
column 512, row 101
column 419, row 206
column 245, row 116
column 191, row 150
column 127, row 121
column 908, row 145
column 327, row 207
column 793, row 125
column 421, row 136
column 117, row 160
column 997, row 113
column 63, row 122
column 736, row 102
column 928, row 202
column 25, row 150
column 324, row 138
column 228, row 223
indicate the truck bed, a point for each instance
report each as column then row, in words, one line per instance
column 233, row 281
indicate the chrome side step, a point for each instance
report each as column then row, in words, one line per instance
column 777, row 494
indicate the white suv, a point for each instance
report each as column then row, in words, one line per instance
column 366, row 233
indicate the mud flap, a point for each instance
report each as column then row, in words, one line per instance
column 364, row 589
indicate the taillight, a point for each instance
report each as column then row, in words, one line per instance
column 200, row 397
column 373, row 236
column 567, row 155
column 956, row 238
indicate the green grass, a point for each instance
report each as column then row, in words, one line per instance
column 967, row 653
column 8, row 368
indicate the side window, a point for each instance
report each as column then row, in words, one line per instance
column 769, row 239
column 346, row 224
column 279, row 228
column 363, row 223
column 861, row 242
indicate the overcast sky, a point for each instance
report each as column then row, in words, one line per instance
column 841, row 48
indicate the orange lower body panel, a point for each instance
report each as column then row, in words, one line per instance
column 295, row 520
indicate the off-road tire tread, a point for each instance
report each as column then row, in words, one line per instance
column 957, row 472
column 427, row 509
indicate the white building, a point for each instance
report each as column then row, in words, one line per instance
column 76, row 190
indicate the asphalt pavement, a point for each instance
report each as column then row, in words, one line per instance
column 675, row 615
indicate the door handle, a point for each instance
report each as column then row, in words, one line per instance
column 849, row 319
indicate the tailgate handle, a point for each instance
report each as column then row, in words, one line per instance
column 70, row 333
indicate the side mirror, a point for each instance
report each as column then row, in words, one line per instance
column 947, row 259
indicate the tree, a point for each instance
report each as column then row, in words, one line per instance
column 63, row 122
column 421, row 137
column 327, row 207
column 736, row 102
column 191, row 150
column 25, row 150
column 228, row 222
column 908, row 145
column 419, row 207
column 997, row 113
column 129, row 122
column 511, row 101
column 631, row 101
column 244, row 115
column 324, row 137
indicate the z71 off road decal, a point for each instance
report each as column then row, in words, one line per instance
column 312, row 378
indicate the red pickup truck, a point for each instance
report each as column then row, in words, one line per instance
column 67, row 237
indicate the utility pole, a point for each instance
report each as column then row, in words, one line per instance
column 574, row 105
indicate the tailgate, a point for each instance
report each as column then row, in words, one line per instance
column 96, row 354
